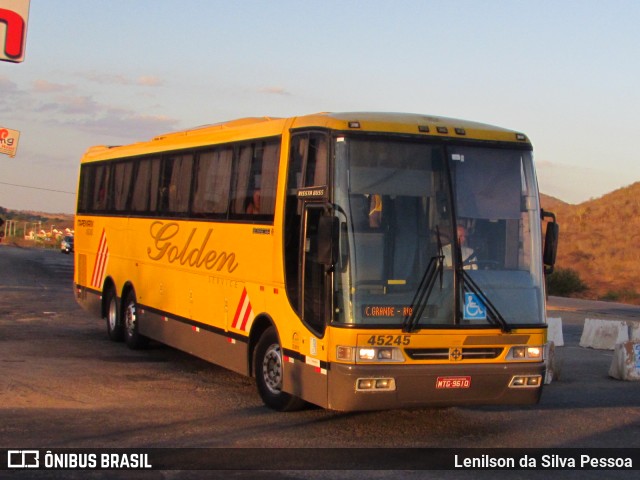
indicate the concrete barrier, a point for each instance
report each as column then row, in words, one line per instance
column 604, row 334
column 626, row 361
column 550, row 363
column 634, row 331
column 554, row 331
column 554, row 339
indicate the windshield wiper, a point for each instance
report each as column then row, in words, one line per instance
column 493, row 315
column 419, row 302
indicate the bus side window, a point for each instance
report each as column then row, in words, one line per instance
column 123, row 172
column 175, row 184
column 269, row 177
column 242, row 163
column 255, row 179
column 147, row 173
column 85, row 191
column 212, row 182
column 101, row 188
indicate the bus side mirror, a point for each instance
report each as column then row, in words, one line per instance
column 550, row 242
column 328, row 240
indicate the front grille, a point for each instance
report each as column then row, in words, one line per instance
column 427, row 353
column 477, row 353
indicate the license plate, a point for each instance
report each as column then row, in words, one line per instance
column 453, row 382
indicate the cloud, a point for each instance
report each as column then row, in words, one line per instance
column 274, row 91
column 7, row 86
column 124, row 123
column 51, row 103
column 114, row 79
column 149, row 81
column 45, row 86
column 71, row 105
column 106, row 78
column 12, row 99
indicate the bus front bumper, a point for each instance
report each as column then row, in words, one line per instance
column 379, row 387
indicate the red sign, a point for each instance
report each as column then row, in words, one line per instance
column 453, row 382
column 14, row 15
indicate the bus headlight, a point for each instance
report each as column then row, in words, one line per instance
column 379, row 354
column 524, row 353
column 534, row 352
column 369, row 354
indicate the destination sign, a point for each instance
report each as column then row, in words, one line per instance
column 388, row 311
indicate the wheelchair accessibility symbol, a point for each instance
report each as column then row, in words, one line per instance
column 474, row 309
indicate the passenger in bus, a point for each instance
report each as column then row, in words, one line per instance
column 468, row 254
column 253, row 203
column 375, row 210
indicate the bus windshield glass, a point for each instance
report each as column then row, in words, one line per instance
column 457, row 218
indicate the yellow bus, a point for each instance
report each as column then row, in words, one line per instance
column 355, row 261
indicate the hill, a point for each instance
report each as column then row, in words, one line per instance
column 35, row 221
column 550, row 203
column 598, row 240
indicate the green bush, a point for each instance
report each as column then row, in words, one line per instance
column 626, row 295
column 564, row 282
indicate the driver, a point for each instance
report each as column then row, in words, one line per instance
column 468, row 255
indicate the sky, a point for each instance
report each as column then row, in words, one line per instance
column 112, row 72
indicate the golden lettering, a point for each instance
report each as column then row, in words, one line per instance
column 164, row 246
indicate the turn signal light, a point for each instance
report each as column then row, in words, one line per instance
column 375, row 384
column 525, row 381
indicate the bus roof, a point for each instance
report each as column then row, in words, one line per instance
column 263, row 127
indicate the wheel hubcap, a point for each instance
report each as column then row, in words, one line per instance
column 130, row 318
column 272, row 369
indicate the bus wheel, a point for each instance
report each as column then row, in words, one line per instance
column 115, row 329
column 267, row 364
column 133, row 338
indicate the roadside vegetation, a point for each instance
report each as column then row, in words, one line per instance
column 565, row 282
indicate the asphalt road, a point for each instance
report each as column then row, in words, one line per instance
column 63, row 384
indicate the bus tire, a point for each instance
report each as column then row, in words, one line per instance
column 115, row 330
column 267, row 364
column 132, row 336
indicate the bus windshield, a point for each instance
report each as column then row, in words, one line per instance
column 464, row 216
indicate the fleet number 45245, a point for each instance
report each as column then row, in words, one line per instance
column 389, row 340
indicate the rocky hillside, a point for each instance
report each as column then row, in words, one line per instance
column 599, row 241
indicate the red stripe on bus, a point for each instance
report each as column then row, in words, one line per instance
column 236, row 318
column 101, row 258
column 247, row 314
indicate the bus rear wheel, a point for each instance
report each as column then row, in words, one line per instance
column 267, row 365
column 132, row 336
column 115, row 330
